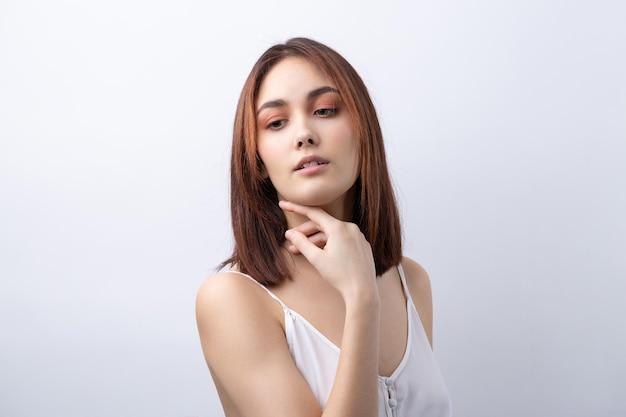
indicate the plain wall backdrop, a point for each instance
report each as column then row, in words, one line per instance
column 505, row 125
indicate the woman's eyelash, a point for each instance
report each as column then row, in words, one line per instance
column 276, row 124
column 326, row 111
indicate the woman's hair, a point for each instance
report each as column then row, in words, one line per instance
column 258, row 222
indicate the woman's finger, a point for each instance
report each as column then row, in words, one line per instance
column 312, row 232
column 308, row 228
column 322, row 219
column 303, row 245
column 318, row 239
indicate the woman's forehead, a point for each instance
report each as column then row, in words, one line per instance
column 292, row 77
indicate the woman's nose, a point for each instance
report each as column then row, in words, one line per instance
column 304, row 135
column 307, row 141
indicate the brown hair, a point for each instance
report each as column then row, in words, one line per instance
column 258, row 222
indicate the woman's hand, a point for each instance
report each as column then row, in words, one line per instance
column 345, row 260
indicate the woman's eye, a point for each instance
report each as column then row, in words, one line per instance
column 276, row 124
column 325, row 112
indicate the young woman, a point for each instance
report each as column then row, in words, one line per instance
column 319, row 314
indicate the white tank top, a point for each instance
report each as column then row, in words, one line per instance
column 415, row 389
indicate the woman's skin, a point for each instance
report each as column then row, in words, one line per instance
column 334, row 285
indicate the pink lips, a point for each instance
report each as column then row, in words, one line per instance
column 309, row 162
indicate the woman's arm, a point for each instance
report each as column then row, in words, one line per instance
column 244, row 346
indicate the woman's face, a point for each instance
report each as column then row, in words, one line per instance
column 306, row 136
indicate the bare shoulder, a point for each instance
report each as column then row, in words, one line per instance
column 228, row 291
column 418, row 282
column 416, row 276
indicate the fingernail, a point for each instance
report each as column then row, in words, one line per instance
column 288, row 234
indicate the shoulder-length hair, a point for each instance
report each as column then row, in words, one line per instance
column 258, row 222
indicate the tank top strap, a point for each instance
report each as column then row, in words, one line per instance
column 267, row 290
column 405, row 287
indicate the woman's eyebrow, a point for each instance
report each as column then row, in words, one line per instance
column 270, row 104
column 322, row 90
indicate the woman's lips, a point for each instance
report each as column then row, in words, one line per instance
column 310, row 161
column 311, row 164
column 312, row 167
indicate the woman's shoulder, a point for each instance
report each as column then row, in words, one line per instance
column 418, row 282
column 233, row 296
column 226, row 282
column 416, row 276
column 231, row 289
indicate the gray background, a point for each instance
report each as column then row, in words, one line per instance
column 505, row 124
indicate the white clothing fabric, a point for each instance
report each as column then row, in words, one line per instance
column 415, row 389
